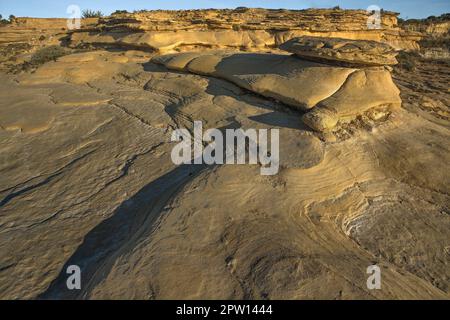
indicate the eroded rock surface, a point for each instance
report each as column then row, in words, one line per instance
column 435, row 35
column 87, row 179
column 335, row 93
column 24, row 36
column 245, row 29
column 354, row 52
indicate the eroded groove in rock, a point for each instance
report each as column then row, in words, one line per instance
column 251, row 29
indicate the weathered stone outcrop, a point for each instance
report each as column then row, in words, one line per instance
column 88, row 177
column 333, row 93
column 354, row 52
column 25, row 35
column 30, row 30
column 435, row 33
column 433, row 26
column 244, row 29
column 33, row 31
column 247, row 19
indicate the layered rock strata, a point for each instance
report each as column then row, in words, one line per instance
column 23, row 36
column 245, row 29
column 328, row 93
column 354, row 52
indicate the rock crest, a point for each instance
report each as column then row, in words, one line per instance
column 353, row 52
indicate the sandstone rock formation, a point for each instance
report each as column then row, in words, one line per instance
column 335, row 93
column 354, row 52
column 87, row 177
column 435, row 35
column 23, row 36
column 247, row 29
column 433, row 26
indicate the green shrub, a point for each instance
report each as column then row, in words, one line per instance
column 47, row 54
column 5, row 21
column 408, row 60
column 443, row 42
column 91, row 14
column 120, row 12
column 431, row 19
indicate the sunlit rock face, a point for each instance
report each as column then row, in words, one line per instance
column 435, row 36
column 87, row 178
column 331, row 91
column 245, row 29
column 336, row 50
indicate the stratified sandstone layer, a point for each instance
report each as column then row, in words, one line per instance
column 88, row 180
column 435, row 33
column 87, row 177
column 247, row 29
column 333, row 92
column 433, row 26
column 353, row 52
column 23, row 36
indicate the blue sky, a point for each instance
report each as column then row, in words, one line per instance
column 57, row 8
